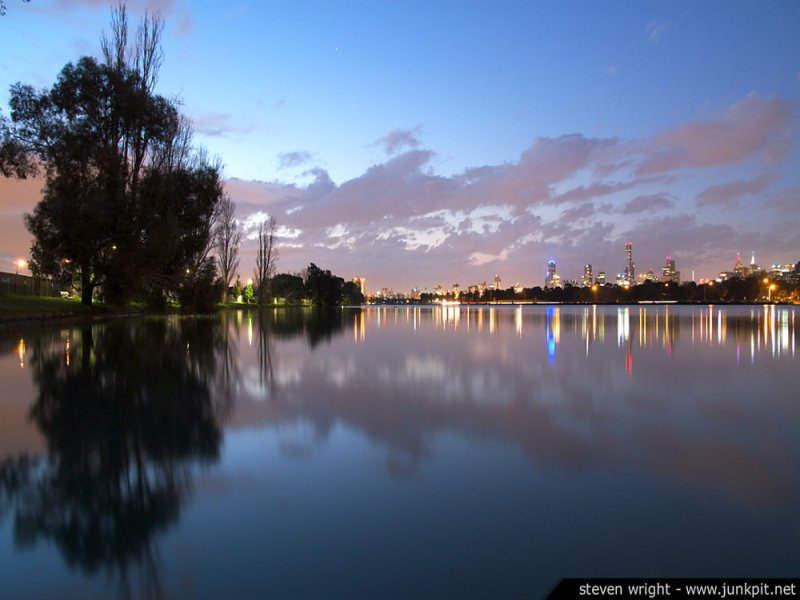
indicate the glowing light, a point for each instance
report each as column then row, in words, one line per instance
column 21, row 352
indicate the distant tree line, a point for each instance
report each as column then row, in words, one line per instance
column 734, row 290
column 312, row 286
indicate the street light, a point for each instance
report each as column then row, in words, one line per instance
column 705, row 287
column 769, row 292
column 20, row 264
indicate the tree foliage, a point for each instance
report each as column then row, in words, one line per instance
column 322, row 287
column 128, row 204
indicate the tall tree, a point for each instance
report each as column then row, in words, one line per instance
column 128, row 203
column 227, row 237
column 266, row 257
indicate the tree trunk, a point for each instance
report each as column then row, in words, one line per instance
column 86, row 286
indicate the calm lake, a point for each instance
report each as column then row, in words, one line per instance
column 398, row 452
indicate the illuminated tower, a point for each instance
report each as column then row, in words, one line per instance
column 550, row 277
column 630, row 266
column 669, row 274
column 497, row 282
column 361, row 282
column 587, row 276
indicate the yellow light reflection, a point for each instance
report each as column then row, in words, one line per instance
column 21, row 352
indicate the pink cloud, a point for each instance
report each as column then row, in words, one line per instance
column 755, row 126
column 647, row 203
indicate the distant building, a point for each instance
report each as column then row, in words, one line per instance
column 587, row 279
column 550, row 276
column 361, row 282
column 497, row 282
column 650, row 276
column 630, row 267
column 669, row 274
column 601, row 278
column 754, row 268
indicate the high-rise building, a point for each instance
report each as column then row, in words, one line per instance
column 630, row 267
column 601, row 278
column 587, row 280
column 754, row 268
column 669, row 274
column 497, row 282
column 550, row 277
column 361, row 282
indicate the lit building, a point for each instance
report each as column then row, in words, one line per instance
column 630, row 267
column 361, row 282
column 497, row 282
column 669, row 274
column 754, row 268
column 587, row 279
column 601, row 278
column 550, row 277
column 739, row 270
column 650, row 276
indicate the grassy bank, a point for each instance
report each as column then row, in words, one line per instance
column 11, row 305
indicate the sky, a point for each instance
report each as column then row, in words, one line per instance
column 431, row 143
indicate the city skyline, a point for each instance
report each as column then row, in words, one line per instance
column 419, row 146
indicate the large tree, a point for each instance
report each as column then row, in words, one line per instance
column 128, row 204
column 266, row 257
column 227, row 237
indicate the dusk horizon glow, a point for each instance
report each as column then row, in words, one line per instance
column 422, row 145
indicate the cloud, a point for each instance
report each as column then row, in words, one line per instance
column 214, row 124
column 166, row 8
column 786, row 201
column 399, row 139
column 290, row 160
column 649, row 203
column 755, row 126
column 400, row 223
column 481, row 258
column 728, row 194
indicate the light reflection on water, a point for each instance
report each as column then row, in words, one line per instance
column 578, row 433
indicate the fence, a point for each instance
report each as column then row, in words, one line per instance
column 25, row 285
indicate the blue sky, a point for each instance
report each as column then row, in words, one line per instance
column 424, row 143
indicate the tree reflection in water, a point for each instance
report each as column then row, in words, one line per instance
column 125, row 419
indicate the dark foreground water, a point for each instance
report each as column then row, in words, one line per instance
column 398, row 452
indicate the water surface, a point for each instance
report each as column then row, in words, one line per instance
column 398, row 452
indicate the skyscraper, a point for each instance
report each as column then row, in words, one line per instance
column 550, row 277
column 587, row 276
column 669, row 274
column 630, row 266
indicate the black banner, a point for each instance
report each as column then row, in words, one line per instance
column 679, row 589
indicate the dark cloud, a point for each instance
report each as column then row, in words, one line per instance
column 787, row 201
column 728, row 194
column 649, row 203
column 290, row 160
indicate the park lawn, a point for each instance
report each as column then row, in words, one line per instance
column 22, row 306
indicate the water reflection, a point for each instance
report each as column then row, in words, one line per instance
column 126, row 411
column 692, row 406
column 482, row 370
